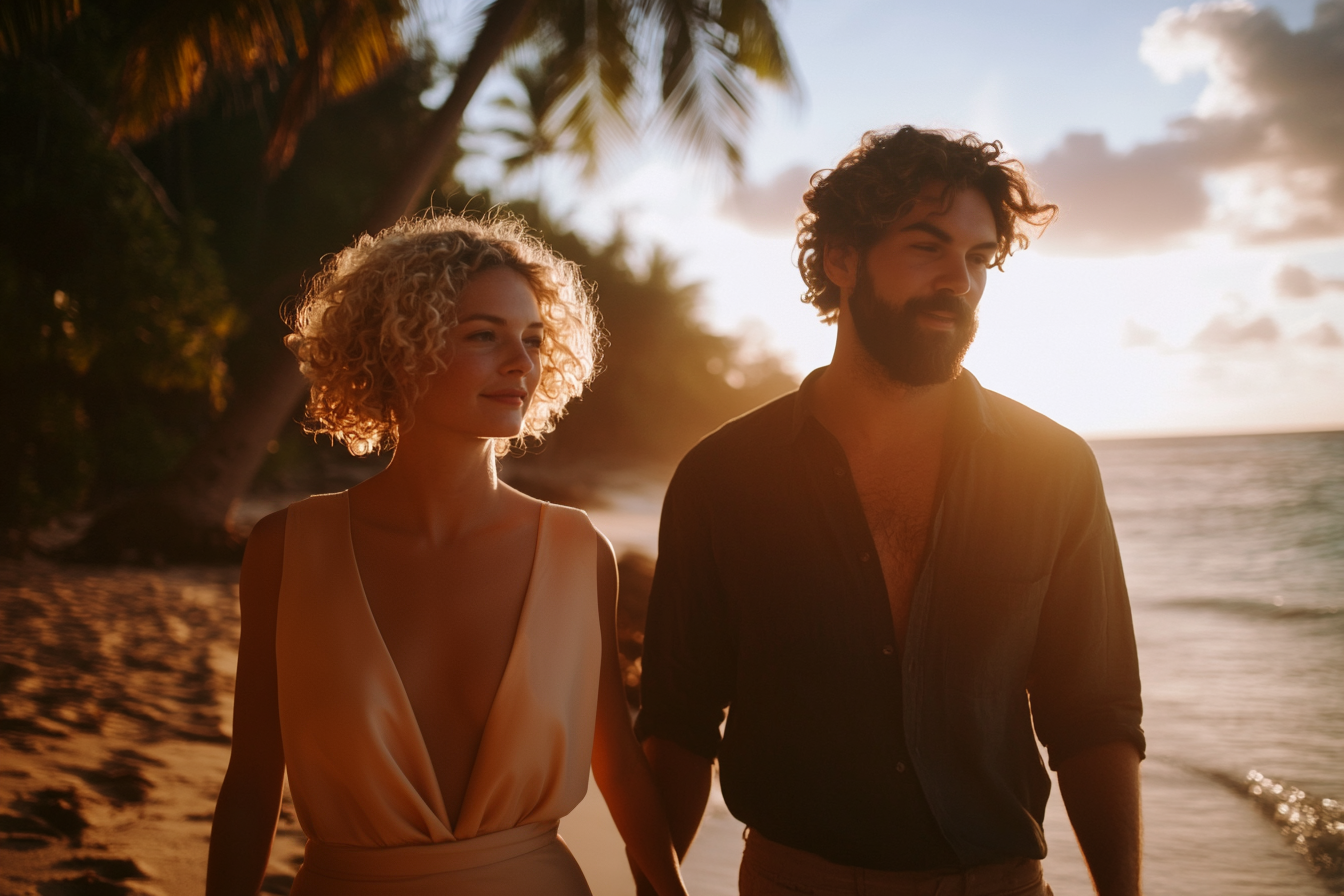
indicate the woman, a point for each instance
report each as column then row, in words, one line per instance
column 431, row 654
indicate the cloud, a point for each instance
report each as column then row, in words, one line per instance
column 1121, row 202
column 770, row 208
column 1136, row 335
column 1323, row 335
column 1222, row 332
column 1269, row 124
column 1293, row 282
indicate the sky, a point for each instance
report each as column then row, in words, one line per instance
column 1194, row 281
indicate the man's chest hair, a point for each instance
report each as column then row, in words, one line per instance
column 897, row 499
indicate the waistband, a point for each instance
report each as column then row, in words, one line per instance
column 382, row 863
column 798, row 867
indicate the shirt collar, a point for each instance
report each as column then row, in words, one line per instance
column 972, row 414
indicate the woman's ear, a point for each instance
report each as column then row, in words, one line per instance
column 841, row 264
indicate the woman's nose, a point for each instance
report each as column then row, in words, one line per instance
column 517, row 358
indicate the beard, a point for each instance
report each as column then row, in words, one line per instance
column 907, row 351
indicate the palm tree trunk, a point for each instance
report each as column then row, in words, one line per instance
column 440, row 135
column 188, row 517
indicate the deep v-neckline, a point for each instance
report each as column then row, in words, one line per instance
column 401, row 683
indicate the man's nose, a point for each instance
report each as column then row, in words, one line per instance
column 955, row 278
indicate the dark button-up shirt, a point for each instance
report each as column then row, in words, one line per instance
column 769, row 597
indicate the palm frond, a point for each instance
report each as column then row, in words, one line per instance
column 168, row 62
column 529, row 141
column 708, row 49
column 354, row 43
column 25, row 23
column 752, row 38
column 588, row 74
column 341, row 46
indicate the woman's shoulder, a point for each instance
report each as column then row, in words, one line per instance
column 570, row 522
column 268, row 534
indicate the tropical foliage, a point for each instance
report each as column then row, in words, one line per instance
column 159, row 203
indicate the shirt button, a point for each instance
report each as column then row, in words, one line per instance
column 900, row 766
column 889, row 649
column 865, row 556
column 839, row 471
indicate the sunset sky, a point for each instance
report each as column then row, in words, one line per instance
column 1194, row 282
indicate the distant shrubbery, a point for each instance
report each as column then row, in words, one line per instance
column 113, row 319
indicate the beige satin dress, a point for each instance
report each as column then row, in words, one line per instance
column 364, row 788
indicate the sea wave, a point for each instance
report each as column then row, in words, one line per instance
column 1313, row 826
column 1259, row 609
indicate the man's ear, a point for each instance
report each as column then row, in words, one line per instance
column 841, row 264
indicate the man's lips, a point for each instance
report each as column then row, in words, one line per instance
column 943, row 320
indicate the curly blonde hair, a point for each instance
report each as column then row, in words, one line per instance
column 373, row 325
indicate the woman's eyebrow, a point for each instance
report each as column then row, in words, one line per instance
column 496, row 320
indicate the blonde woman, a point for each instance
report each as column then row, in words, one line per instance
column 431, row 655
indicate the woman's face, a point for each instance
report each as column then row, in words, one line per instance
column 495, row 363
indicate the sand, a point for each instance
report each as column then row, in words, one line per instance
column 115, row 698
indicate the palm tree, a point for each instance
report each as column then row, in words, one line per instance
column 705, row 50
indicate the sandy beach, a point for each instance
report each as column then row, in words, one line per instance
column 115, row 703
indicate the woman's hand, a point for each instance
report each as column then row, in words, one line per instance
column 249, row 798
column 619, row 766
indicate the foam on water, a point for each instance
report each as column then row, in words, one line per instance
column 1312, row 826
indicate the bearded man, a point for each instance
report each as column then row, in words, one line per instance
column 896, row 577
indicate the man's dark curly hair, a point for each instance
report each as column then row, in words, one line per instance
column 878, row 182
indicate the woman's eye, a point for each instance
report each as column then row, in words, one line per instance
column 481, row 336
column 533, row 342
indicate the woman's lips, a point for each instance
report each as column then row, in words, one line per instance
column 510, row 397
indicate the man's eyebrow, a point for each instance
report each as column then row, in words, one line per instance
column 942, row 235
column 496, row 320
column 933, row 230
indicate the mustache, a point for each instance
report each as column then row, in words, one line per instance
column 943, row 302
column 958, row 308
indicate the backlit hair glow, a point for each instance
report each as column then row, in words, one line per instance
column 879, row 181
column 374, row 324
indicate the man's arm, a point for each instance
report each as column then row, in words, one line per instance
column 1100, row 787
column 683, row 780
column 689, row 660
column 1084, row 687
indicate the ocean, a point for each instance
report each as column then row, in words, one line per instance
column 1234, row 554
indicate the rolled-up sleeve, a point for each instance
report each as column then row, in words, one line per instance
column 1084, row 681
column 688, row 665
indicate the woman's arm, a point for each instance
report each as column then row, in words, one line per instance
column 249, row 799
column 619, row 766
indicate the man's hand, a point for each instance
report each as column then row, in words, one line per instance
column 1100, row 787
column 683, row 780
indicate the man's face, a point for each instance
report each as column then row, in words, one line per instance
column 915, row 293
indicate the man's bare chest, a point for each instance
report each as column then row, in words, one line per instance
column 897, row 495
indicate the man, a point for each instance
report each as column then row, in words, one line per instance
column 894, row 576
